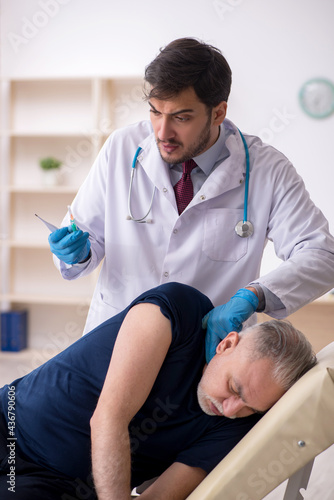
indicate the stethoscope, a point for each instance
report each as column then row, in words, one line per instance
column 243, row 228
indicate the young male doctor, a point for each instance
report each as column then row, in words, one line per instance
column 195, row 230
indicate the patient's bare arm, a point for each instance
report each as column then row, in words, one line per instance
column 140, row 349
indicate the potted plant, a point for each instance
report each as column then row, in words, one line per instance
column 50, row 167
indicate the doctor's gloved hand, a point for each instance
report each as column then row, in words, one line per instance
column 227, row 318
column 69, row 246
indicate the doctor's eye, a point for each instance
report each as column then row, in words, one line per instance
column 155, row 112
column 182, row 118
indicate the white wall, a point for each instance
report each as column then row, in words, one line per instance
column 273, row 46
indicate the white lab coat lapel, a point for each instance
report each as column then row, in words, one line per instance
column 228, row 175
column 156, row 169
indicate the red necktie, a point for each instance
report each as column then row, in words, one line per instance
column 184, row 187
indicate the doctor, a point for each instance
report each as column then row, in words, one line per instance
column 158, row 227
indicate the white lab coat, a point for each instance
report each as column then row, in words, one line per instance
column 199, row 247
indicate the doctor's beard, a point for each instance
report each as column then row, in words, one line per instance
column 194, row 149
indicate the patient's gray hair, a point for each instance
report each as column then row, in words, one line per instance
column 287, row 347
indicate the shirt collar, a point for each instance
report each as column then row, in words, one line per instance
column 209, row 158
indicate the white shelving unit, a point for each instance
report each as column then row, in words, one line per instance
column 69, row 119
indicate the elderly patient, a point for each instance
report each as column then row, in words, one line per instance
column 133, row 400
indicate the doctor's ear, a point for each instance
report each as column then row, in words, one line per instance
column 219, row 113
column 228, row 344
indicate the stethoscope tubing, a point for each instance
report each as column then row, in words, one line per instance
column 133, row 169
column 247, row 177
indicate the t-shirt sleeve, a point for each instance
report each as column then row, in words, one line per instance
column 214, row 445
column 182, row 304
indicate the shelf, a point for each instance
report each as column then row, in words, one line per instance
column 45, row 299
column 51, row 104
column 43, row 190
column 24, row 225
column 75, row 152
column 50, row 133
column 69, row 119
column 24, row 354
column 14, row 365
column 28, row 244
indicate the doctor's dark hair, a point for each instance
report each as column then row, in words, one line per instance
column 187, row 62
column 288, row 349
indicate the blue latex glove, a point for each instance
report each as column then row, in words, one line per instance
column 69, row 246
column 227, row 318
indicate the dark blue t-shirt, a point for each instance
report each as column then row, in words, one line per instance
column 55, row 402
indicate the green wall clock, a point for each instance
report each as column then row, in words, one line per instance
column 317, row 97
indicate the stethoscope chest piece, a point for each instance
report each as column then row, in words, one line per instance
column 244, row 229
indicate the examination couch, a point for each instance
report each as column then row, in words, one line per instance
column 282, row 445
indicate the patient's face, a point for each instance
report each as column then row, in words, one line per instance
column 234, row 386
